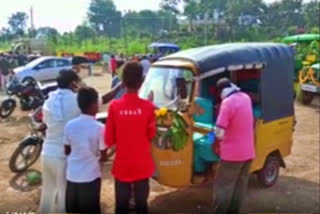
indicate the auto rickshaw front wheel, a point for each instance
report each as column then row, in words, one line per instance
column 269, row 174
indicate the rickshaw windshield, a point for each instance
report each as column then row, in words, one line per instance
column 161, row 85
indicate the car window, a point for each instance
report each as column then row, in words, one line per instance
column 46, row 64
column 62, row 63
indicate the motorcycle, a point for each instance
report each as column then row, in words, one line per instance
column 28, row 92
column 30, row 147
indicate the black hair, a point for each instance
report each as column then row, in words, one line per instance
column 120, row 63
column 112, row 56
column 223, row 83
column 132, row 75
column 66, row 77
column 87, row 96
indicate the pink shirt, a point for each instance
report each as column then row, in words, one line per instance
column 236, row 118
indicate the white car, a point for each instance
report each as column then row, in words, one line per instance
column 42, row 69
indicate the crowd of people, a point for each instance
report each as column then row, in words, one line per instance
column 76, row 144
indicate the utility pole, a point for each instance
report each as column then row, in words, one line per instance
column 31, row 22
column 125, row 35
column 205, row 28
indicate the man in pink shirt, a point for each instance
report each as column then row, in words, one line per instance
column 235, row 130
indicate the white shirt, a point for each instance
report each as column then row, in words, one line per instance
column 59, row 108
column 146, row 65
column 85, row 137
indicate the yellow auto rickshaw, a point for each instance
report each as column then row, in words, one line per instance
column 182, row 86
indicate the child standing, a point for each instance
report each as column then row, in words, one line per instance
column 85, row 147
column 131, row 127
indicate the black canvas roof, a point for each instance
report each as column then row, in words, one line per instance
column 217, row 56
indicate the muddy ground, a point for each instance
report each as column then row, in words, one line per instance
column 297, row 190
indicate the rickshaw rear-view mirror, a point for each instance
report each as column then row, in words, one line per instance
column 182, row 87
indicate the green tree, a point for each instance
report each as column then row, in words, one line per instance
column 280, row 15
column 171, row 6
column 18, row 23
column 83, row 33
column 105, row 18
column 311, row 13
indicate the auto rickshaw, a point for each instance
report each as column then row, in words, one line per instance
column 162, row 49
column 183, row 87
column 307, row 76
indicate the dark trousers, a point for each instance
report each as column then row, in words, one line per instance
column 83, row 197
column 230, row 186
column 123, row 194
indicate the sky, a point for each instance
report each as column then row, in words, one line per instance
column 65, row 15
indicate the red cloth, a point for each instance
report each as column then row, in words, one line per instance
column 248, row 74
column 131, row 126
column 113, row 64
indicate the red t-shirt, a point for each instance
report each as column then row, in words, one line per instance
column 131, row 126
column 113, row 63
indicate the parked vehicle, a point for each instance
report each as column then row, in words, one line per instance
column 183, row 87
column 29, row 149
column 163, row 49
column 29, row 94
column 42, row 69
column 307, row 74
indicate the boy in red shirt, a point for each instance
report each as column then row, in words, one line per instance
column 131, row 126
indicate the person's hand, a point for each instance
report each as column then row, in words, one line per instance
column 216, row 147
column 103, row 156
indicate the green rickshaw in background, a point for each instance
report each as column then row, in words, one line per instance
column 307, row 72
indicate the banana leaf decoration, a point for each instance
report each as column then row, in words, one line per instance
column 174, row 137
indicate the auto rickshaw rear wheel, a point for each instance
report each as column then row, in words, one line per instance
column 305, row 97
column 269, row 174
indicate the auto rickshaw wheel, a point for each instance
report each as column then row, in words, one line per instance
column 269, row 174
column 305, row 97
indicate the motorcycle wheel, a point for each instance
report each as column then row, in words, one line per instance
column 25, row 155
column 7, row 107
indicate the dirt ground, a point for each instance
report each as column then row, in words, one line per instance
column 297, row 190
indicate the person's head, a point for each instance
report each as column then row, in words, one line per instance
column 68, row 79
column 223, row 83
column 88, row 101
column 144, row 57
column 225, row 87
column 112, row 56
column 132, row 76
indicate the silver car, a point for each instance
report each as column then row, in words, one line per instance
column 42, row 69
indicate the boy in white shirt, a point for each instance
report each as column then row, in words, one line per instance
column 85, row 147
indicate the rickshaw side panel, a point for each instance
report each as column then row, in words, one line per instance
column 175, row 168
column 275, row 136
